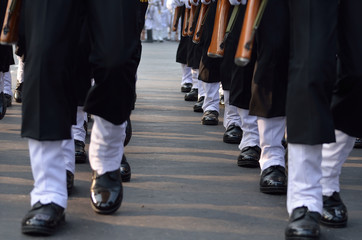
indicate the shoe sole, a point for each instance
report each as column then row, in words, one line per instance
column 248, row 164
column 273, row 190
column 300, row 238
column 198, row 110
column 41, row 231
column 334, row 225
column 209, row 122
column 108, row 211
column 232, row 141
column 185, row 90
column 191, row 99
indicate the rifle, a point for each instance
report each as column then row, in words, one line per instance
column 10, row 29
column 176, row 17
column 253, row 14
column 186, row 22
column 200, row 23
column 216, row 49
column 193, row 13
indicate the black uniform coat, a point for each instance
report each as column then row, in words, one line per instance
column 240, row 77
column 316, row 103
column 209, row 67
column 51, row 35
column 270, row 80
column 181, row 53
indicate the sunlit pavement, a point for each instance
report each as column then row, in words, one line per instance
column 185, row 181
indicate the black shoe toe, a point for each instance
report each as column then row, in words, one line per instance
column 42, row 219
column 273, row 180
column 334, row 211
column 192, row 95
column 198, row 105
column 106, row 192
column 186, row 87
column 233, row 134
column 303, row 225
column 249, row 157
column 210, row 118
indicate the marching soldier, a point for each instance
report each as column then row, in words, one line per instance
column 48, row 98
column 323, row 114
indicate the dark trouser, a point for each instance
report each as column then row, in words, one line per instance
column 52, row 33
column 321, row 29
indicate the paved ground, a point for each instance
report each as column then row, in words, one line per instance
column 185, row 182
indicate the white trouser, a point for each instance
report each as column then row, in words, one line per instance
column 231, row 115
column 68, row 151
column 106, row 146
column 49, row 162
column 7, row 83
column 211, row 101
column 186, row 74
column 334, row 155
column 78, row 129
column 271, row 133
column 195, row 76
column 20, row 72
column 201, row 89
column 314, row 170
column 249, row 126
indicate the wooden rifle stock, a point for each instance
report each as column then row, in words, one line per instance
column 253, row 14
column 200, row 23
column 176, row 17
column 216, row 50
column 186, row 22
column 193, row 12
column 9, row 31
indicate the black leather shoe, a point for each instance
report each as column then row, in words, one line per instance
column 18, row 92
column 42, row 219
column 303, row 225
column 8, row 99
column 249, row 157
column 106, row 192
column 80, row 154
column 210, row 118
column 198, row 105
column 358, row 143
column 233, row 134
column 186, row 87
column 192, row 95
column 2, row 105
column 273, row 180
column 334, row 211
column 70, row 182
column 125, row 170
